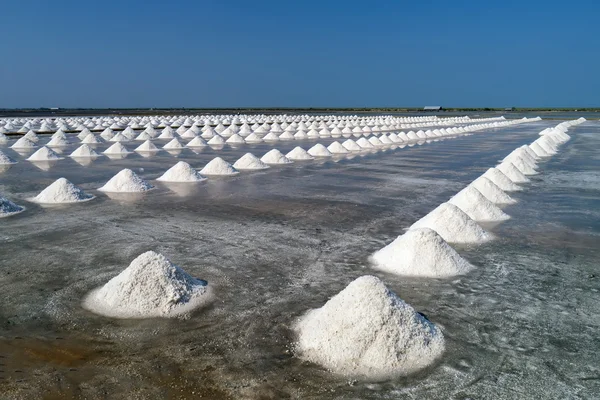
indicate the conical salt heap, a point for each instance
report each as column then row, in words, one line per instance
column 318, row 150
column 117, row 148
column 44, row 154
column 216, row 141
column 275, row 157
column 59, row 141
column 235, row 139
column 477, row 206
column 253, row 138
column 181, row 172
column 368, row 332
column 150, row 287
column 31, row 135
column 492, row 192
column 84, row 151
column 92, row 139
column 299, row 154
column 420, row 252
column 538, row 150
column 218, row 166
column 249, row 162
column 501, row 180
column 512, row 172
column 23, row 143
column 351, row 145
column 364, row 143
column 522, row 165
column 126, row 181
column 453, row 225
column 119, row 137
column 374, row 140
column 147, row 147
column 8, row 208
column 337, row 148
column 4, row 159
column 62, row 191
column 173, row 145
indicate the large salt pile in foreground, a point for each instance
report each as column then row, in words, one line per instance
column 181, row 172
column 126, row 181
column 218, row 166
column 249, row 162
column 367, row 331
column 420, row 252
column 8, row 208
column 62, row 191
column 453, row 225
column 477, row 206
column 150, row 287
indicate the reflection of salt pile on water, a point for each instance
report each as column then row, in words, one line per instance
column 8, row 208
column 275, row 157
column 150, row 287
column 44, row 154
column 367, row 331
column 126, row 181
column 299, row 154
column 218, row 166
column 420, row 252
column 249, row 162
column 181, row 172
column 62, row 191
column 453, row 225
column 477, row 206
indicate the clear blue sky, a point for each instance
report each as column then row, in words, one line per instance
column 299, row 53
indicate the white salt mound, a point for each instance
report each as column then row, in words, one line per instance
column 8, row 208
column 477, row 206
column 364, row 143
column 522, row 165
column 181, row 172
column 44, row 154
column 366, row 331
column 126, row 181
column 299, row 154
column 337, row 148
column 512, row 172
column 150, row 287
column 492, row 192
column 4, row 159
column 117, row 148
column 420, row 252
column 318, row 150
column 173, row 145
column 147, row 146
column 538, row 150
column 275, row 157
column 216, row 141
column 501, row 180
column 84, row 151
column 351, row 145
column 58, row 141
column 62, row 191
column 249, row 162
column 91, row 139
column 23, row 143
column 197, row 142
column 453, row 225
column 218, row 166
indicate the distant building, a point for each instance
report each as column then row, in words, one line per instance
column 432, row 108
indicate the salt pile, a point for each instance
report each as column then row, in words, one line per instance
column 58, row 141
column 31, row 135
column 522, row 165
column 420, row 252
column 512, row 172
column 235, row 139
column 374, row 140
column 299, row 154
column 91, row 139
column 197, row 142
column 538, row 150
column 501, row 180
column 218, row 166
column 173, row 145
column 150, row 287
column 119, row 137
column 147, row 147
column 367, row 331
column 492, row 192
column 44, row 154
column 84, row 151
column 23, row 143
column 253, row 138
column 271, row 137
column 126, row 181
column 8, row 208
column 62, row 191
column 249, row 162
column 477, row 206
column 275, row 157
column 337, row 148
column 318, row 150
column 351, row 145
column 117, row 148
column 364, row 143
column 216, row 141
column 4, row 159
column 181, row 172
column 453, row 225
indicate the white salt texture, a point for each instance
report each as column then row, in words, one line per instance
column 368, row 332
column 477, row 206
column 275, row 157
column 197, row 142
column 351, row 145
column 337, row 148
column 299, row 154
column 218, row 166
column 4, row 159
column 501, row 180
column 420, row 252
column 364, row 143
column 249, row 162
column 492, row 192
column 44, row 154
column 318, row 150
column 181, row 172
column 8, row 208
column 453, row 225
column 23, row 143
column 512, row 172
column 62, row 191
column 147, row 146
column 173, row 145
column 150, row 287
column 84, row 151
column 117, row 148
column 126, row 181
